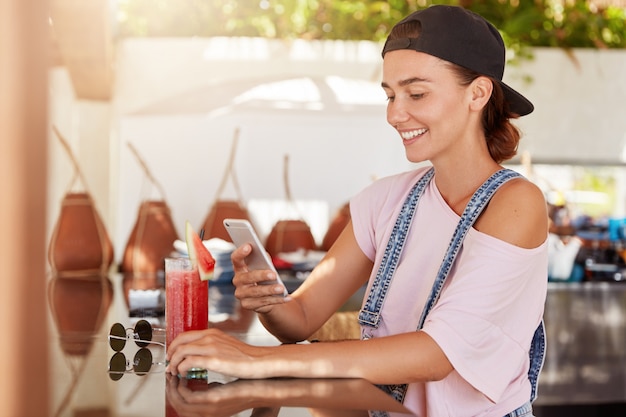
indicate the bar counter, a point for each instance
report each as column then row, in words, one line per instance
column 585, row 362
column 586, row 344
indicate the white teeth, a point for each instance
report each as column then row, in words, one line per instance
column 412, row 134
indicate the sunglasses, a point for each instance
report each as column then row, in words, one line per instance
column 141, row 365
column 141, row 334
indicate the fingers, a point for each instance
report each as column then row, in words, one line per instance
column 256, row 290
column 261, row 298
column 245, row 277
column 238, row 257
column 217, row 352
column 185, row 338
column 252, row 278
column 200, row 349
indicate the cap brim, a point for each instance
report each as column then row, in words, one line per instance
column 518, row 104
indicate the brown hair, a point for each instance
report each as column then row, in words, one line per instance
column 501, row 135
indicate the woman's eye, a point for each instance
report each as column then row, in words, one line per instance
column 390, row 98
column 417, row 96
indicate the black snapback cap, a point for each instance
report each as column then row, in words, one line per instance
column 464, row 38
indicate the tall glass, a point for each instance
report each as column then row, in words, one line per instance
column 186, row 298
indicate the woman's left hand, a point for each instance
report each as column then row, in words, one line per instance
column 215, row 351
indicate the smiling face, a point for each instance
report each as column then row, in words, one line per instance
column 434, row 114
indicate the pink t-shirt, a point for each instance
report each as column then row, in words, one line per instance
column 487, row 313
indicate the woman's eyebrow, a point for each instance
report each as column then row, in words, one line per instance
column 406, row 82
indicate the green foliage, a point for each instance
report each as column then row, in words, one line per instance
column 601, row 181
column 553, row 23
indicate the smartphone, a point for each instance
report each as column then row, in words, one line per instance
column 241, row 232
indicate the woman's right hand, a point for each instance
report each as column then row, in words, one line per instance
column 251, row 287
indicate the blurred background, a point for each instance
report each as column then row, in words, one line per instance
column 276, row 105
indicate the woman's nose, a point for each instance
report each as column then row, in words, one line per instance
column 396, row 113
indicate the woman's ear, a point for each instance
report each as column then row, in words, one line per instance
column 481, row 88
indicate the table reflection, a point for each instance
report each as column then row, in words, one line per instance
column 83, row 309
column 78, row 306
column 321, row 397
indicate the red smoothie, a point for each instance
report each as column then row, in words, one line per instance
column 186, row 299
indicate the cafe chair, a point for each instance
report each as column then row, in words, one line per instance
column 342, row 325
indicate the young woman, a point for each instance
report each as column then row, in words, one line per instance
column 478, row 349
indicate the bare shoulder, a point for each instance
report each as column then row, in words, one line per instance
column 517, row 214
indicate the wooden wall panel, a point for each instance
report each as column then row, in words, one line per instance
column 81, row 31
column 23, row 124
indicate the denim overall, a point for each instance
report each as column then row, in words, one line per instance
column 369, row 316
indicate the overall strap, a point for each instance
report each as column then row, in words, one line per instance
column 472, row 211
column 370, row 313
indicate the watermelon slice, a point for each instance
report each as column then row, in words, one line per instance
column 199, row 254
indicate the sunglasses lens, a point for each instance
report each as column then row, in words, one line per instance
column 117, row 366
column 144, row 332
column 118, row 339
column 142, row 361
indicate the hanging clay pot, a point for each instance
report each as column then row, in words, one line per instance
column 289, row 235
column 80, row 244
